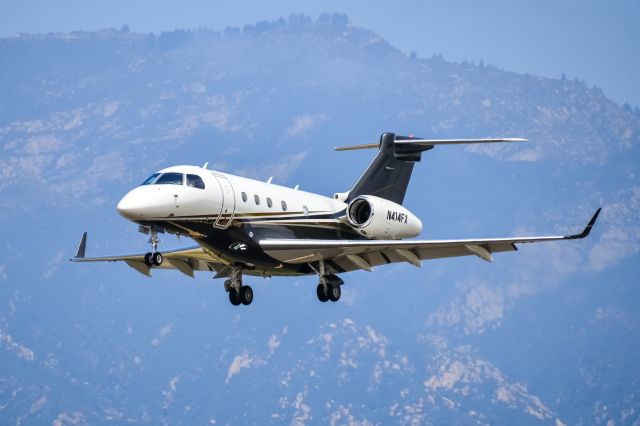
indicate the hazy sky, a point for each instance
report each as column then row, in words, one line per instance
column 596, row 41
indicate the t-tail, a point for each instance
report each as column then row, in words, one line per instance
column 389, row 173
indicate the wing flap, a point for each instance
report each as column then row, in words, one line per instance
column 183, row 266
column 140, row 267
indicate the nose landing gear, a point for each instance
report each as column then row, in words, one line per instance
column 153, row 258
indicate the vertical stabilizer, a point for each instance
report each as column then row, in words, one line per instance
column 389, row 173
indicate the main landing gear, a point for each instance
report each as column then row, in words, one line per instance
column 329, row 288
column 329, row 285
column 238, row 293
column 153, row 258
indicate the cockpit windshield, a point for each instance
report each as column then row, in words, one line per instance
column 164, row 179
column 150, row 179
column 194, row 181
column 170, row 179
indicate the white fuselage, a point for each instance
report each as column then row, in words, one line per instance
column 225, row 197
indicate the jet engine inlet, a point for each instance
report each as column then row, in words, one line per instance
column 360, row 212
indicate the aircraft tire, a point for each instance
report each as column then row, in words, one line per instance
column 321, row 293
column 147, row 259
column 246, row 295
column 157, row 258
column 334, row 293
column 234, row 297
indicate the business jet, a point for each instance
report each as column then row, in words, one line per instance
column 248, row 227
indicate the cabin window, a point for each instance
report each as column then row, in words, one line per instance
column 244, row 197
column 150, row 179
column 256, row 199
column 269, row 202
column 170, row 179
column 284, row 205
column 195, row 181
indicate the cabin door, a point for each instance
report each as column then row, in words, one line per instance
column 228, row 203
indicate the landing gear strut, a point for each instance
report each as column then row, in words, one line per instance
column 153, row 258
column 238, row 293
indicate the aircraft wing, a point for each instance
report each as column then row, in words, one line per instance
column 186, row 260
column 350, row 255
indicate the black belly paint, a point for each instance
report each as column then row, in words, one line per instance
column 238, row 244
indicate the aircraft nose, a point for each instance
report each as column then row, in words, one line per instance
column 144, row 203
column 129, row 206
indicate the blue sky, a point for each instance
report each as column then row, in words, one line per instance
column 598, row 42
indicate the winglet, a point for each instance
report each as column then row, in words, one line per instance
column 587, row 228
column 82, row 247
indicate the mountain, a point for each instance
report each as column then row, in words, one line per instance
column 545, row 335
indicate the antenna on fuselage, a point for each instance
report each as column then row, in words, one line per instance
column 270, row 179
column 296, row 187
column 205, row 165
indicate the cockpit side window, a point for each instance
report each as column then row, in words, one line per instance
column 195, row 181
column 170, row 179
column 150, row 179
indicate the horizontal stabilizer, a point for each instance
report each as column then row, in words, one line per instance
column 432, row 142
column 405, row 141
column 354, row 147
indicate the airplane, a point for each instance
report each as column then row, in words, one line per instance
column 248, row 227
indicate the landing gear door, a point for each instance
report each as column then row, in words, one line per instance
column 228, row 203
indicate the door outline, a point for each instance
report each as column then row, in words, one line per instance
column 228, row 203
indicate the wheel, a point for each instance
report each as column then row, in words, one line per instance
column 156, row 258
column 246, row 295
column 334, row 293
column 227, row 285
column 234, row 297
column 147, row 259
column 322, row 293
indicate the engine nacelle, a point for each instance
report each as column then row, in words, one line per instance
column 377, row 218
